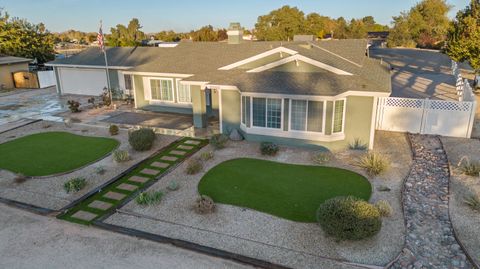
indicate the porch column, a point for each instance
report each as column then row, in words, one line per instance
column 199, row 107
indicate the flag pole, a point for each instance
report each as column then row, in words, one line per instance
column 106, row 66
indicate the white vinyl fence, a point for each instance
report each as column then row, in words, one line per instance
column 424, row 116
column 46, row 78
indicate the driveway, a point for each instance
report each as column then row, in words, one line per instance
column 31, row 241
column 419, row 73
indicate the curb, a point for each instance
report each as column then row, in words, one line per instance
column 23, row 125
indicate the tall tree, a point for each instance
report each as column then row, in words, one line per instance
column 20, row 38
column 464, row 37
column 427, row 23
column 280, row 24
column 126, row 36
column 206, row 33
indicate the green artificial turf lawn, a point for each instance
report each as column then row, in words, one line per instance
column 289, row 191
column 52, row 152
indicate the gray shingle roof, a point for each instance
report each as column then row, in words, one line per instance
column 13, row 60
column 203, row 59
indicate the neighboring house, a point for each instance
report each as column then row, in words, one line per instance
column 300, row 93
column 9, row 65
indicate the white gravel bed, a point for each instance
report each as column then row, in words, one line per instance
column 256, row 234
column 48, row 191
column 465, row 221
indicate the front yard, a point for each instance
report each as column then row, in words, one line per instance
column 237, row 228
column 289, row 191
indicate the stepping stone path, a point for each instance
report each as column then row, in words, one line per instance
column 178, row 152
column 169, row 158
column 114, row 195
column 430, row 242
column 184, row 147
column 160, row 165
column 138, row 179
column 127, row 187
column 151, row 172
column 100, row 205
column 84, row 215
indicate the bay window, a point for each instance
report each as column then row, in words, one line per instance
column 267, row 112
column 338, row 111
column 161, row 89
column 306, row 116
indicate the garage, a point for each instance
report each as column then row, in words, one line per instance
column 82, row 81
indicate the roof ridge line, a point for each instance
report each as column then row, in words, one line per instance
column 334, row 54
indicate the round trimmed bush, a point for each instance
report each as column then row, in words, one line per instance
column 349, row 218
column 113, row 129
column 141, row 139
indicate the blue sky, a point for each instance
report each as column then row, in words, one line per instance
column 184, row 15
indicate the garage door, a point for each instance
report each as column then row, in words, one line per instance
column 82, row 81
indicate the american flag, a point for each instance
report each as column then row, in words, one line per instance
column 100, row 38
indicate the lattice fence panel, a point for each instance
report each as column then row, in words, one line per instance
column 403, row 102
column 450, row 106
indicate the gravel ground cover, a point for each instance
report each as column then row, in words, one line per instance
column 465, row 220
column 48, row 192
column 263, row 236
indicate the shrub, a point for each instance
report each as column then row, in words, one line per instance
column 204, row 205
column 75, row 184
column 113, row 129
column 205, row 156
column 218, row 141
column 349, row 218
column 322, row 157
column 74, row 106
column 194, row 166
column 121, row 156
column 384, row 208
column 100, row 170
column 472, row 201
column 471, row 169
column 357, row 144
column 141, row 139
column 374, row 163
column 149, row 198
column 20, row 178
column 172, row 186
column 269, row 148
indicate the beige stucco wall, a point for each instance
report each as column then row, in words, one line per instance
column 6, row 71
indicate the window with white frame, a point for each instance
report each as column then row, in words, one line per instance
column 338, row 111
column 162, row 89
column 267, row 112
column 246, row 110
column 306, row 115
column 183, row 93
column 128, row 81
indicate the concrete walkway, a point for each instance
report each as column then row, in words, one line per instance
column 31, row 241
column 430, row 242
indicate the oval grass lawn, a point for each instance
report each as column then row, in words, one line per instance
column 51, row 153
column 289, row 191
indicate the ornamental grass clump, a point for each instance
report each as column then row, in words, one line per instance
column 113, row 129
column 471, row 169
column 322, row 157
column 194, row 166
column 121, row 156
column 75, row 184
column 384, row 208
column 357, row 144
column 205, row 156
column 173, row 186
column 473, row 201
column 349, row 218
column 374, row 163
column 149, row 198
column 269, row 148
column 141, row 139
column 218, row 141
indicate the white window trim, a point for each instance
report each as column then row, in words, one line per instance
column 149, row 90
column 177, row 88
column 266, row 115
column 324, row 116
column 257, row 57
column 343, row 116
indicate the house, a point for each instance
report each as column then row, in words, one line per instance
column 308, row 93
column 9, row 65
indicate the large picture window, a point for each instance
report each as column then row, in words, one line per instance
column 183, row 93
column 161, row 89
column 307, row 116
column 267, row 112
column 339, row 107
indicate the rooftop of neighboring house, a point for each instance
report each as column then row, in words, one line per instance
column 13, row 60
column 325, row 67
